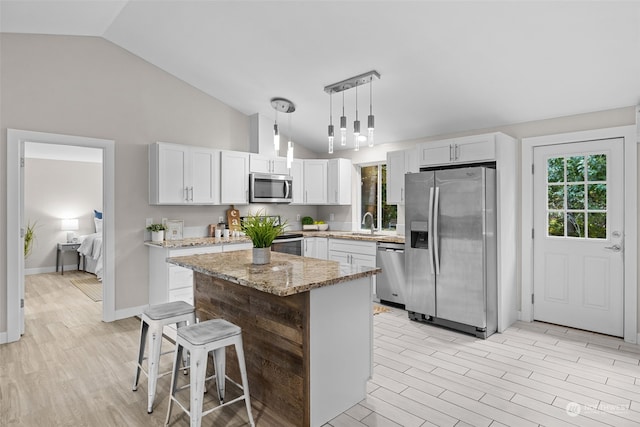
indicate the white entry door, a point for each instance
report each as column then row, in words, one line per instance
column 578, row 235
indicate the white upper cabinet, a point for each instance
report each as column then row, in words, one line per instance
column 398, row 164
column 339, row 183
column 315, row 182
column 468, row 149
column 234, row 177
column 297, row 173
column 265, row 164
column 182, row 174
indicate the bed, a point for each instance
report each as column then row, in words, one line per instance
column 91, row 248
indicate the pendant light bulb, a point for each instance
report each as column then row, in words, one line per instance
column 330, row 129
column 343, row 124
column 370, row 119
column 289, row 154
column 276, row 138
column 356, row 126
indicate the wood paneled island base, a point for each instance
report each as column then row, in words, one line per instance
column 308, row 342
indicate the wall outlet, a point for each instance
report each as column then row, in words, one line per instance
column 331, row 217
column 298, row 217
column 148, row 222
column 220, row 219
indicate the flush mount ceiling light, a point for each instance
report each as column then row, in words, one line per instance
column 342, row 87
column 285, row 106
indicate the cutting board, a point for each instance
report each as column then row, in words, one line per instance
column 233, row 219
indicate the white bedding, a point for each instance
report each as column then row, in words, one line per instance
column 91, row 248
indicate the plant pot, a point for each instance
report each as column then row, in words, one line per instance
column 262, row 255
column 157, row 236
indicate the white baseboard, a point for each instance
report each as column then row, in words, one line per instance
column 130, row 312
column 3, row 337
column 50, row 269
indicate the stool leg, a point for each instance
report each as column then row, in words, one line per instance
column 198, row 374
column 173, row 386
column 245, row 381
column 155, row 348
column 219, row 360
column 143, row 339
column 185, row 355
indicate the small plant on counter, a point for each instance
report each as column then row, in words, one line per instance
column 262, row 229
column 156, row 227
column 307, row 220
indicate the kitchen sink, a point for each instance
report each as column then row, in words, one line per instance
column 367, row 234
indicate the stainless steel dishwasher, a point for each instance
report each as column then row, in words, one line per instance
column 390, row 284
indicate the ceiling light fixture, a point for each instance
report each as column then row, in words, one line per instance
column 330, row 132
column 343, row 124
column 342, row 87
column 370, row 119
column 356, row 127
column 284, row 106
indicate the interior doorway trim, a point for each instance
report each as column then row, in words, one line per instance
column 628, row 133
column 15, row 268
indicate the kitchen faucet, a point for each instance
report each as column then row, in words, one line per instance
column 364, row 219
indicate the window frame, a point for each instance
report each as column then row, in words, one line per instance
column 357, row 209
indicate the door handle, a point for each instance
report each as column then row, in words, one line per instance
column 614, row 248
column 436, row 250
column 430, row 231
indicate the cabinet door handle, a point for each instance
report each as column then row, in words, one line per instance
column 335, row 200
column 402, row 194
column 191, row 189
column 305, row 196
column 186, row 194
column 457, row 152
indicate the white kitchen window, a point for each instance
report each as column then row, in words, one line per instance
column 373, row 198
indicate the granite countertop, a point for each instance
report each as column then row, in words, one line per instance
column 355, row 235
column 198, row 241
column 285, row 275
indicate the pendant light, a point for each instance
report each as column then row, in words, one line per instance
column 370, row 119
column 343, row 86
column 330, row 132
column 276, row 136
column 289, row 146
column 356, row 127
column 343, row 125
column 283, row 105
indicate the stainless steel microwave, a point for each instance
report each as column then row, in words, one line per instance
column 268, row 188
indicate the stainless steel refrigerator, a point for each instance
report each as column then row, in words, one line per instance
column 450, row 248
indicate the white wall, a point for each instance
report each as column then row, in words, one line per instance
column 56, row 189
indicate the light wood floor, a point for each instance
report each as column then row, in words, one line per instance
column 71, row 369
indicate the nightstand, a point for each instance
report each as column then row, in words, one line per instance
column 62, row 248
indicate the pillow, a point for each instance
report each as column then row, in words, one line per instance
column 98, row 223
column 97, row 214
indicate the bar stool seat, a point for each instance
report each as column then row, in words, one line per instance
column 200, row 339
column 153, row 320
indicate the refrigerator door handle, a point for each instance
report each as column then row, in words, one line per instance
column 436, row 254
column 430, row 231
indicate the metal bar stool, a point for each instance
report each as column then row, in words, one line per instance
column 200, row 339
column 153, row 320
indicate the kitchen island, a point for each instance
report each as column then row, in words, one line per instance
column 306, row 323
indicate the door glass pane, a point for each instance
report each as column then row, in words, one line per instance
column 575, row 169
column 389, row 212
column 555, row 169
column 556, row 224
column 597, row 225
column 575, row 196
column 597, row 198
column 597, row 167
column 575, row 224
column 555, row 194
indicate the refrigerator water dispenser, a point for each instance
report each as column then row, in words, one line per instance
column 420, row 234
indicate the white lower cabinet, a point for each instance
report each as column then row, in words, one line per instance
column 170, row 282
column 358, row 253
column 316, row 247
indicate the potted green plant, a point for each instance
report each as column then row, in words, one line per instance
column 157, row 232
column 29, row 238
column 261, row 229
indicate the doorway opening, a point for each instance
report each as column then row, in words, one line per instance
column 17, row 141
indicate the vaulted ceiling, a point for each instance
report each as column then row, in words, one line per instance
column 445, row 66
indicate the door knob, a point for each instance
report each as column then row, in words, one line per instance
column 614, row 248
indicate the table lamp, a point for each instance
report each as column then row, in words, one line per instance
column 70, row 225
